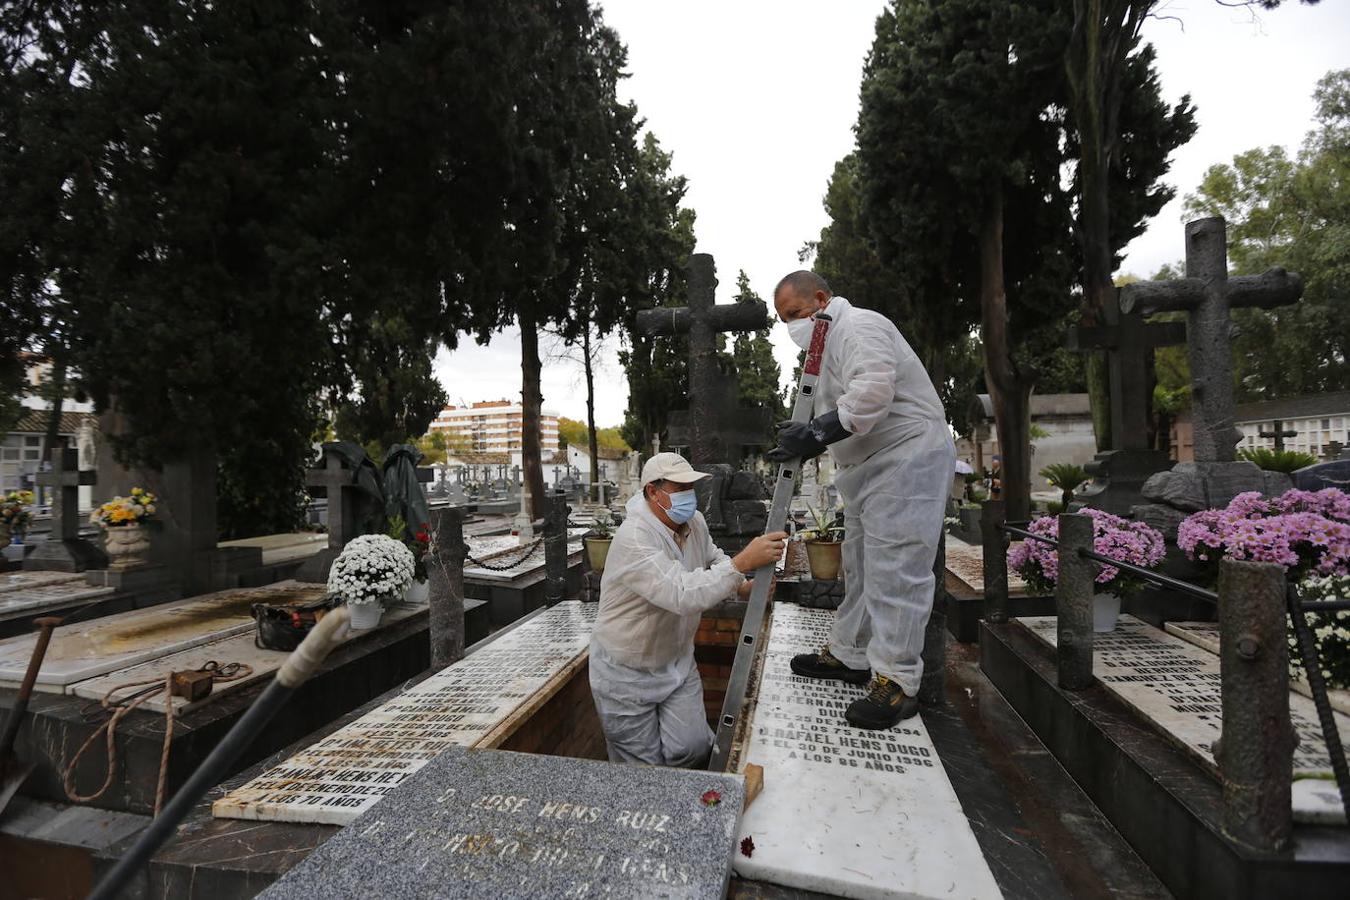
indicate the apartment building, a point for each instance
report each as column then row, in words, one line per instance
column 493, row 426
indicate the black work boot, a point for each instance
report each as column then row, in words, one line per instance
column 884, row 705
column 826, row 665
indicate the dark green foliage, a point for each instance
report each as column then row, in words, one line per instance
column 757, row 372
column 1285, row 461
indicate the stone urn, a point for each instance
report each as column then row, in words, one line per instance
column 126, row 546
column 825, row 558
column 597, row 551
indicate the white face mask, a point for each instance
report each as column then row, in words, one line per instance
column 800, row 331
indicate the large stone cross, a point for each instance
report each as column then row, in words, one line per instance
column 702, row 320
column 1128, row 342
column 1207, row 295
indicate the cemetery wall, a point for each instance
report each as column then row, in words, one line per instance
column 566, row 725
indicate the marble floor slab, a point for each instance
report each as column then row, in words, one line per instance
column 239, row 648
column 847, row 811
column 349, row 771
column 98, row 646
column 1174, row 685
column 966, row 562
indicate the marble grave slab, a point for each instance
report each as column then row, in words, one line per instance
column 22, row 581
column 491, row 823
column 1206, row 636
column 338, row 778
column 527, row 565
column 32, row 601
column 966, row 562
column 848, row 811
column 1174, row 684
column 99, row 646
column 239, row 648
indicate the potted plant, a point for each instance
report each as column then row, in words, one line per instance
column 372, row 571
column 418, row 543
column 598, row 540
column 124, row 521
column 1132, row 542
column 1306, row 532
column 824, row 545
column 1067, row 477
column 14, row 516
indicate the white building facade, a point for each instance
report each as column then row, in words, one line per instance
column 493, row 426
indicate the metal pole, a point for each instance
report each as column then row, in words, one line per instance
column 1255, row 751
column 445, row 583
column 995, row 546
column 555, row 547
column 1073, row 602
column 932, row 686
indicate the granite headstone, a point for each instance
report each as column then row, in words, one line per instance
column 491, row 823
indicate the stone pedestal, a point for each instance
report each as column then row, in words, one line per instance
column 68, row 555
column 1120, row 477
column 135, row 579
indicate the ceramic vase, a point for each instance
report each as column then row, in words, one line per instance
column 825, row 559
column 365, row 616
column 417, row 592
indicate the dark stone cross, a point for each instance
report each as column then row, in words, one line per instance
column 1207, row 295
column 1128, row 342
column 64, row 550
column 336, row 481
column 1279, row 434
column 702, row 320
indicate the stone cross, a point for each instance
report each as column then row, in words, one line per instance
column 64, row 550
column 1279, row 434
column 1207, row 295
column 702, row 320
column 64, row 480
column 336, row 480
column 1128, row 343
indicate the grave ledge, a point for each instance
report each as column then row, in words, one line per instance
column 1159, row 799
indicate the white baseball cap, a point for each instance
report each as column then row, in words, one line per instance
column 669, row 467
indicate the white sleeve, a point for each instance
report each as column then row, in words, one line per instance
column 647, row 571
column 869, row 375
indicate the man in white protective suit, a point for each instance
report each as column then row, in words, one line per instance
column 879, row 415
column 662, row 572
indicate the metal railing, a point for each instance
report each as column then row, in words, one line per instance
column 1254, row 676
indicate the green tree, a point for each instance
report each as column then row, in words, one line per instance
column 1294, row 214
column 959, row 146
column 757, row 372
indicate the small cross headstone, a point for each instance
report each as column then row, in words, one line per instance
column 702, row 320
column 335, row 480
column 1207, row 295
column 64, row 550
column 1279, row 434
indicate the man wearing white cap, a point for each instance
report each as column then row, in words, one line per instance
column 662, row 572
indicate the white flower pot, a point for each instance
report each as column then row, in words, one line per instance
column 417, row 592
column 126, row 546
column 365, row 615
column 1105, row 611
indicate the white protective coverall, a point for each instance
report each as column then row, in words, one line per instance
column 647, row 689
column 895, row 470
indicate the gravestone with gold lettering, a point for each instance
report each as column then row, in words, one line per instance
column 491, row 823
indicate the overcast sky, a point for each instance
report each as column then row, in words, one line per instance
column 757, row 99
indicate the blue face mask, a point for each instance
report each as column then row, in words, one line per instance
column 682, row 506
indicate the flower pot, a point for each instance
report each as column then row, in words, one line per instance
column 1105, row 611
column 597, row 551
column 365, row 615
column 126, row 546
column 417, row 592
column 825, row 559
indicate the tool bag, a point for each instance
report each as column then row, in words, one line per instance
column 283, row 627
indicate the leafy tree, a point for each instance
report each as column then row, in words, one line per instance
column 657, row 366
column 757, row 372
column 1291, row 213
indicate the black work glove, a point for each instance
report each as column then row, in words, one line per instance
column 809, row 440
